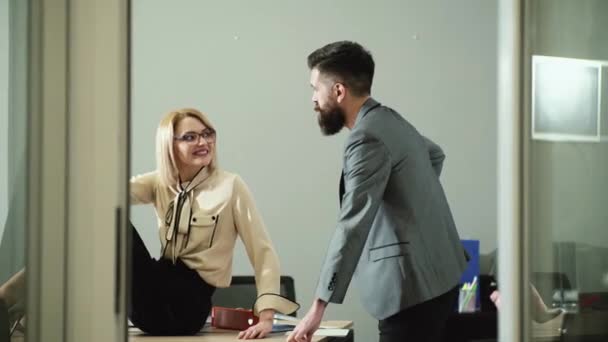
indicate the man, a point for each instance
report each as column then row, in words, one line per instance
column 395, row 227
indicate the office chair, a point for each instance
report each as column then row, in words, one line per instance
column 242, row 292
column 547, row 283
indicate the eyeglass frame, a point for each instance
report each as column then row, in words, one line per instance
column 209, row 138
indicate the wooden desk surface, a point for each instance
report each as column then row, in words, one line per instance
column 210, row 334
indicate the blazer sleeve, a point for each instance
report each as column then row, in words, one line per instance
column 367, row 168
column 436, row 155
column 260, row 251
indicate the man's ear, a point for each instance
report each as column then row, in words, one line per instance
column 339, row 91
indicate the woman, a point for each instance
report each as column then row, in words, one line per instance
column 200, row 210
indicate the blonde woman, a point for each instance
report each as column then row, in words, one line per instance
column 201, row 209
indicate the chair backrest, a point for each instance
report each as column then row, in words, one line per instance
column 242, row 292
column 547, row 283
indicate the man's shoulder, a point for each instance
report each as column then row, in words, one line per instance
column 386, row 125
column 380, row 117
column 379, row 122
column 364, row 135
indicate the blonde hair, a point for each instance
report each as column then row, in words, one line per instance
column 165, row 158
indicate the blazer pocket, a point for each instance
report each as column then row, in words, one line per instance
column 392, row 250
column 204, row 228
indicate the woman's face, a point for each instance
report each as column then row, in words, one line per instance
column 193, row 144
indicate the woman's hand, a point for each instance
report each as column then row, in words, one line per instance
column 260, row 330
column 495, row 297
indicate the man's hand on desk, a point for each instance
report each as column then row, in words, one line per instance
column 260, row 330
column 309, row 324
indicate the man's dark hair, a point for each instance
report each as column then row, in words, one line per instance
column 349, row 62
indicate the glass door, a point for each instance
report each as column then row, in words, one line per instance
column 565, row 165
column 63, row 161
column 14, row 136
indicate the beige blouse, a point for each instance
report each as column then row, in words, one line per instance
column 198, row 223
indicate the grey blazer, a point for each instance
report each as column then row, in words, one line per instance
column 395, row 232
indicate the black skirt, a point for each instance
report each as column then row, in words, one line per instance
column 166, row 298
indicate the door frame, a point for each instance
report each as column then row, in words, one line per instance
column 77, row 175
column 513, row 323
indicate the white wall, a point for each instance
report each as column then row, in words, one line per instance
column 4, row 81
column 244, row 63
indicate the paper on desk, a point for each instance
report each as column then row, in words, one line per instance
column 334, row 332
column 331, row 332
column 281, row 328
column 290, row 320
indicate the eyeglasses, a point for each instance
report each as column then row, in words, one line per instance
column 192, row 137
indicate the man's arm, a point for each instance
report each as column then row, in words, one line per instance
column 367, row 169
column 366, row 172
column 435, row 154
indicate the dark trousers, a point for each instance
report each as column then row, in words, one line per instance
column 424, row 322
column 166, row 299
column 4, row 322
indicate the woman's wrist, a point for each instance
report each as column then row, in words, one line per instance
column 266, row 314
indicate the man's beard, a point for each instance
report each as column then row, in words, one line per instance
column 331, row 120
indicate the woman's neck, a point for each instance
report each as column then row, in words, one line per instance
column 187, row 174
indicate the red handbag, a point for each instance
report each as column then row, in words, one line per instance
column 234, row 319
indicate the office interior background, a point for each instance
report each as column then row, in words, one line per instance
column 244, row 64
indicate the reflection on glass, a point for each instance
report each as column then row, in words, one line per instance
column 567, row 97
column 13, row 139
column 568, row 187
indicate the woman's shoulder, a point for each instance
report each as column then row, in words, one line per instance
column 223, row 176
column 148, row 177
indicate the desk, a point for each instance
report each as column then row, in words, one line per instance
column 549, row 331
column 209, row 334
